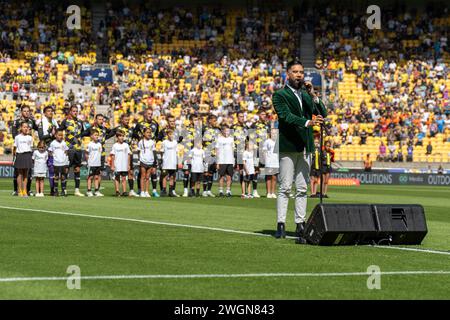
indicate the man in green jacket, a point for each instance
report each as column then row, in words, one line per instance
column 295, row 106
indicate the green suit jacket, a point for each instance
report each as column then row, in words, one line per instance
column 293, row 135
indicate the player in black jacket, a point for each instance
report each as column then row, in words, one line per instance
column 138, row 133
column 104, row 134
column 73, row 134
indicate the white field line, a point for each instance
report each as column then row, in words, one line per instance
column 215, row 276
column 137, row 220
column 196, row 227
column 415, row 250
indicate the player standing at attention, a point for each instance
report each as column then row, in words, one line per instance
column 262, row 128
column 129, row 134
column 169, row 162
column 22, row 152
column 315, row 171
column 138, row 133
column 104, row 134
column 73, row 134
column 328, row 159
column 271, row 164
column 40, row 159
column 46, row 132
column 210, row 133
column 58, row 150
column 93, row 156
column 249, row 168
column 240, row 133
column 25, row 116
column 147, row 162
column 120, row 158
column 188, row 136
column 171, row 126
column 225, row 159
column 197, row 156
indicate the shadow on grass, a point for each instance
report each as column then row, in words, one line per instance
column 272, row 233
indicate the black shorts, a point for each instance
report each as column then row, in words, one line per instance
column 75, row 158
column 147, row 166
column 187, row 167
column 121, row 174
column 212, row 168
column 225, row 169
column 248, row 178
column 60, row 170
column 170, row 173
column 94, row 171
column 196, row 176
column 315, row 172
column 326, row 169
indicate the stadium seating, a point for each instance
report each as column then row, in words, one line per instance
column 209, row 60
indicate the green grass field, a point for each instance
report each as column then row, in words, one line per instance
column 164, row 239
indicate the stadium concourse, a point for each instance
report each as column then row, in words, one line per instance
column 386, row 90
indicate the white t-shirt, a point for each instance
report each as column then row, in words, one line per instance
column 225, row 150
column 272, row 159
column 40, row 161
column 95, row 154
column 121, row 152
column 197, row 158
column 170, row 155
column 247, row 158
column 59, row 151
column 23, row 143
column 146, row 148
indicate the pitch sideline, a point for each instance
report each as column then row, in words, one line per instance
column 215, row 276
column 197, row 227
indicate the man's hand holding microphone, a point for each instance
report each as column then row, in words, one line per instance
column 318, row 119
column 315, row 121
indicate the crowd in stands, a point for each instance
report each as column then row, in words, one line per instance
column 208, row 33
column 390, row 86
column 393, row 82
column 32, row 26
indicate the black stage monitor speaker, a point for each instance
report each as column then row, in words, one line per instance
column 400, row 224
column 350, row 224
column 340, row 224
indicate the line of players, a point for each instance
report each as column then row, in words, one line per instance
column 199, row 151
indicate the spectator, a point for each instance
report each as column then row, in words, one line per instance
column 381, row 152
column 363, row 136
column 409, row 155
column 367, row 163
column 429, row 148
column 392, row 148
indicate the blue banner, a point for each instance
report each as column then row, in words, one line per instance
column 314, row 78
column 97, row 74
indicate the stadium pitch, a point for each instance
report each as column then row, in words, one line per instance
column 208, row 248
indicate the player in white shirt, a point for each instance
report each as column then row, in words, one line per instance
column 147, row 162
column 22, row 153
column 40, row 158
column 249, row 168
column 58, row 150
column 197, row 159
column 93, row 154
column 225, row 159
column 169, row 149
column 120, row 162
column 272, row 164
